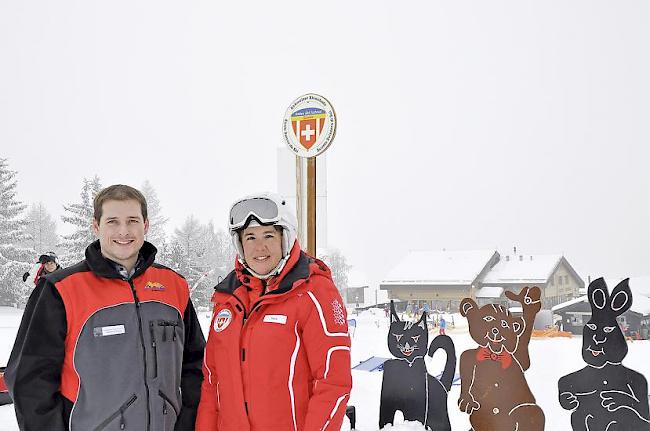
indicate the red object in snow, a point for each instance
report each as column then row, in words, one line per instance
column 3, row 385
column 4, row 393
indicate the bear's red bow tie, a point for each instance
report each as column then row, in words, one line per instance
column 504, row 357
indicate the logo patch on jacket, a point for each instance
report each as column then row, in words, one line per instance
column 223, row 319
column 155, row 286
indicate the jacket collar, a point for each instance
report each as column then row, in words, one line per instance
column 105, row 268
column 297, row 268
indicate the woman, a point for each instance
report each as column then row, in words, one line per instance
column 278, row 352
column 46, row 264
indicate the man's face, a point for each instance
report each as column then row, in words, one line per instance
column 262, row 248
column 121, row 231
column 50, row 266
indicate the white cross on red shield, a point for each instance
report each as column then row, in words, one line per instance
column 307, row 125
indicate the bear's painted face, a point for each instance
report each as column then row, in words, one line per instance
column 492, row 326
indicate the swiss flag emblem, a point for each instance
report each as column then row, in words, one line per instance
column 308, row 125
column 222, row 320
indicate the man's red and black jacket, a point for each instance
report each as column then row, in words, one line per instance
column 97, row 351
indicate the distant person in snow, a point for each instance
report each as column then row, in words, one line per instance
column 113, row 342
column 47, row 263
column 278, row 353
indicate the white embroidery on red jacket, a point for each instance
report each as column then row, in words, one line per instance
column 339, row 317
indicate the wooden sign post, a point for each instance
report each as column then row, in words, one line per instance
column 308, row 128
column 311, row 206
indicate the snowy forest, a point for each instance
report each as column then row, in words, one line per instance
column 200, row 252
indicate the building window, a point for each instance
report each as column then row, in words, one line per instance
column 566, row 279
column 560, row 280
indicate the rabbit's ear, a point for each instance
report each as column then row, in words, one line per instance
column 393, row 315
column 621, row 299
column 597, row 295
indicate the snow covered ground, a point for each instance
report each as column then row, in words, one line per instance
column 551, row 359
column 9, row 321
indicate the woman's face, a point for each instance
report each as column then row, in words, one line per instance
column 50, row 266
column 262, row 247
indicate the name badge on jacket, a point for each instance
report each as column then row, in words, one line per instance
column 276, row 318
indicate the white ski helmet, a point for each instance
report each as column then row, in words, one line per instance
column 265, row 209
column 50, row 256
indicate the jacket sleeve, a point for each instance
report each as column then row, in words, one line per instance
column 327, row 344
column 32, row 275
column 207, row 419
column 33, row 373
column 191, row 375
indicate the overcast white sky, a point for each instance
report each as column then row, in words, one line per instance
column 462, row 124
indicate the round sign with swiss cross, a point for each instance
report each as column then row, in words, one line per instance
column 309, row 125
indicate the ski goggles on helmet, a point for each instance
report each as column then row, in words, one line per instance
column 47, row 257
column 262, row 209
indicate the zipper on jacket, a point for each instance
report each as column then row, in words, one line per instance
column 155, row 349
column 119, row 413
column 246, row 407
column 144, row 349
column 243, row 355
column 166, row 401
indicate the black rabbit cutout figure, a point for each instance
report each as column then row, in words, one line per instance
column 605, row 395
column 406, row 384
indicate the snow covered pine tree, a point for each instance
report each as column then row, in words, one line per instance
column 79, row 215
column 14, row 258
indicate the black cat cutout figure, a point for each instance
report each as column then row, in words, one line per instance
column 605, row 395
column 406, row 384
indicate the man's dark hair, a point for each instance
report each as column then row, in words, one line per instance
column 118, row 192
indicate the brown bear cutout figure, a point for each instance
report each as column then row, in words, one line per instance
column 494, row 391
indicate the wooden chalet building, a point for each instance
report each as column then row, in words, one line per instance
column 444, row 278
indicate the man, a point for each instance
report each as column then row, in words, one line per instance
column 47, row 263
column 112, row 342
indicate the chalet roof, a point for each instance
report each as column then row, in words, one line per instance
column 523, row 269
column 563, row 305
column 357, row 278
column 489, row 292
column 439, row 267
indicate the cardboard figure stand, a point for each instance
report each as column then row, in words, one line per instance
column 493, row 389
column 605, row 395
column 406, row 384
